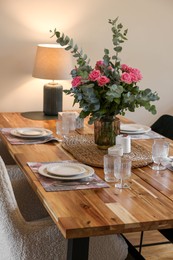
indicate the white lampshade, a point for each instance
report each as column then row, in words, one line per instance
column 52, row 62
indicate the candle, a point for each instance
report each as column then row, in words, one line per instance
column 126, row 143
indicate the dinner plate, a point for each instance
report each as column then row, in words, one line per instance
column 134, row 129
column 89, row 171
column 65, row 169
column 31, row 132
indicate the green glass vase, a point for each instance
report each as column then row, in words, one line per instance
column 105, row 131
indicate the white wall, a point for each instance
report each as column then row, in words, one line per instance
column 24, row 24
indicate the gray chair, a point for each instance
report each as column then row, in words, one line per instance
column 41, row 239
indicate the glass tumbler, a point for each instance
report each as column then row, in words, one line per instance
column 122, row 171
column 109, row 167
column 160, row 151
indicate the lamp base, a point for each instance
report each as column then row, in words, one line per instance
column 37, row 115
column 52, row 99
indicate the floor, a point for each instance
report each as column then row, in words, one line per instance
column 154, row 252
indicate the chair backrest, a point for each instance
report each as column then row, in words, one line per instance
column 164, row 126
column 4, row 153
column 9, row 213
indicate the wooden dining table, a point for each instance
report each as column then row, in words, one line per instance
column 81, row 214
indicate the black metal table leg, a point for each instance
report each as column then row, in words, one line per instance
column 78, row 248
column 141, row 240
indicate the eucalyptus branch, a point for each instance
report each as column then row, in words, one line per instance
column 68, row 43
column 118, row 37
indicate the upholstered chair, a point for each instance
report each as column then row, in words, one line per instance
column 41, row 239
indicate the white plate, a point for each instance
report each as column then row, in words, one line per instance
column 65, row 169
column 89, row 171
column 30, row 132
column 131, row 127
column 134, row 129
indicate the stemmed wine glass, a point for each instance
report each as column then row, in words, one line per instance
column 122, row 171
column 160, row 151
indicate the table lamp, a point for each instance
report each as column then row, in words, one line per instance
column 52, row 62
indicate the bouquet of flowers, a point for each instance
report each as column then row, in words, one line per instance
column 109, row 88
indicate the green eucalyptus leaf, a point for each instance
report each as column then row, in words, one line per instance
column 71, row 42
column 119, row 26
column 76, row 55
column 68, row 48
column 67, row 39
column 106, row 51
column 75, row 48
column 85, row 57
column 57, row 34
column 118, row 49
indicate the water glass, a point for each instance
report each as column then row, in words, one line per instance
column 160, row 151
column 109, row 167
column 61, row 131
column 122, row 171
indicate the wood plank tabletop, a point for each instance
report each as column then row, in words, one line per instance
column 146, row 205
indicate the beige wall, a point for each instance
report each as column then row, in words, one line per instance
column 24, row 24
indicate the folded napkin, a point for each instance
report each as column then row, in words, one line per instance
column 50, row 184
column 19, row 140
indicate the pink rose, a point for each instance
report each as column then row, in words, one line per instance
column 136, row 75
column 76, row 81
column 103, row 80
column 126, row 77
column 125, row 68
column 130, row 75
column 99, row 64
column 94, row 75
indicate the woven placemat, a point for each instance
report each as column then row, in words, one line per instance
column 83, row 148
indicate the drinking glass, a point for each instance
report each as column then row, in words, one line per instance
column 62, row 129
column 160, row 151
column 109, row 167
column 122, row 171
